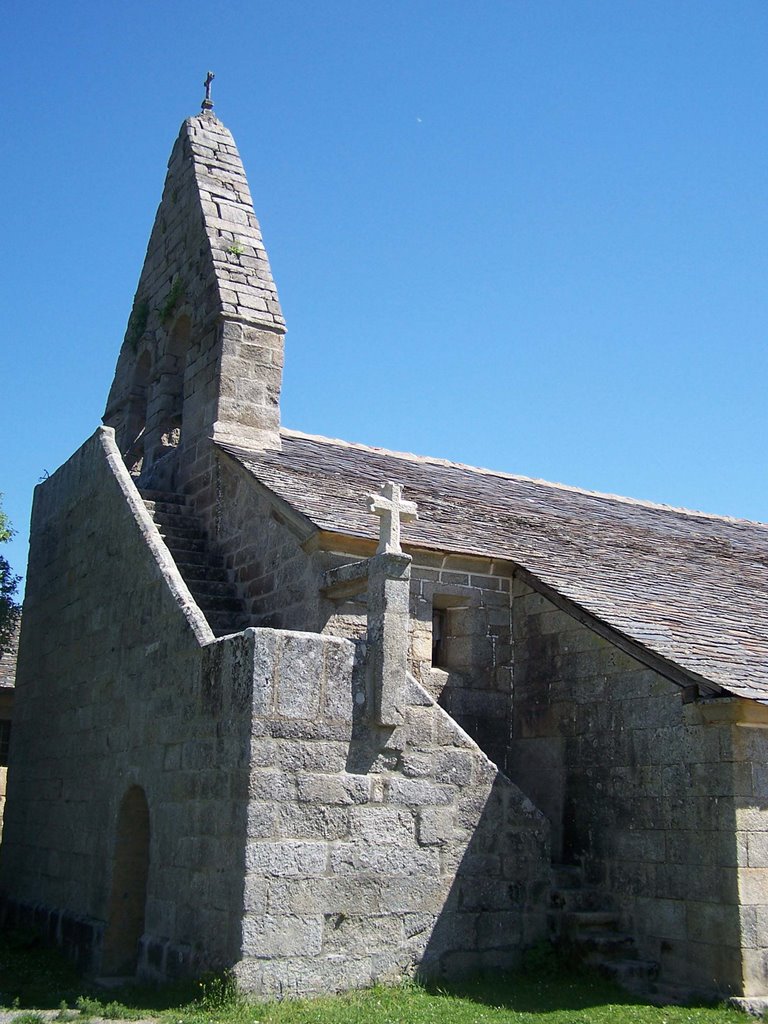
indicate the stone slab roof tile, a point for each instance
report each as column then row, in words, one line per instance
column 688, row 586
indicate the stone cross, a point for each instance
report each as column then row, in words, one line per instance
column 208, row 102
column 393, row 510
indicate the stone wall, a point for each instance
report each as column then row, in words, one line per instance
column 278, row 580
column 664, row 804
column 7, row 694
column 3, row 787
column 375, row 852
column 285, row 833
column 470, row 673
column 279, row 573
column 113, row 692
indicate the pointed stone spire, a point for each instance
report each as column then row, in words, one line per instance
column 203, row 352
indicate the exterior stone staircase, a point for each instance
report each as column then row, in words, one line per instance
column 203, row 572
column 581, row 923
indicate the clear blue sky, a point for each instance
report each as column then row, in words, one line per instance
column 524, row 235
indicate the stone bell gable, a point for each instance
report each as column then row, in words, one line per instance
column 203, row 350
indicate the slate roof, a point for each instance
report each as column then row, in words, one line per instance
column 690, row 587
column 8, row 659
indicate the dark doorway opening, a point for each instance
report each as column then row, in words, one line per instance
column 128, row 897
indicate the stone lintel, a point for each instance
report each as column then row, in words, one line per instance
column 727, row 711
column 346, row 580
column 389, row 580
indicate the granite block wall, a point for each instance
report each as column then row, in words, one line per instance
column 278, row 580
column 661, row 802
column 284, row 833
column 112, row 694
column 279, row 573
column 469, row 669
column 469, row 672
column 374, row 852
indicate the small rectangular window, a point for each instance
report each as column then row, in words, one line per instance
column 439, row 623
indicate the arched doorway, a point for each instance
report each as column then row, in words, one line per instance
column 127, row 901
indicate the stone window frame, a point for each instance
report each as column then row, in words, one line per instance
column 448, row 598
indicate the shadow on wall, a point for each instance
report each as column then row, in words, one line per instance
column 494, row 909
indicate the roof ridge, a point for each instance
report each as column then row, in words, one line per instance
column 433, row 460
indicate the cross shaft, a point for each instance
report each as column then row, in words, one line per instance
column 207, row 103
column 392, row 510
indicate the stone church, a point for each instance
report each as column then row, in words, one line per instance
column 328, row 714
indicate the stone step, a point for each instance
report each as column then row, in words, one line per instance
column 217, row 602
column 574, row 900
column 166, row 497
column 206, row 588
column 587, row 928
column 163, row 508
column 202, row 572
column 180, row 545
column 198, row 558
column 176, row 536
column 181, row 521
column 634, row 975
column 597, row 946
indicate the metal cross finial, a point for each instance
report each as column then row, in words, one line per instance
column 207, row 103
column 393, row 510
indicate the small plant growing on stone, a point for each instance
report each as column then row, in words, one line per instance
column 137, row 323
column 175, row 297
column 236, row 249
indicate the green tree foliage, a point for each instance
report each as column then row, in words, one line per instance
column 9, row 583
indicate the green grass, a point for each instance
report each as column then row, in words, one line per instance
column 34, row 978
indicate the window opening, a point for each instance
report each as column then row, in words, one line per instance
column 136, row 421
column 439, row 629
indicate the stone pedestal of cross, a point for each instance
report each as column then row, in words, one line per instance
column 389, row 583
